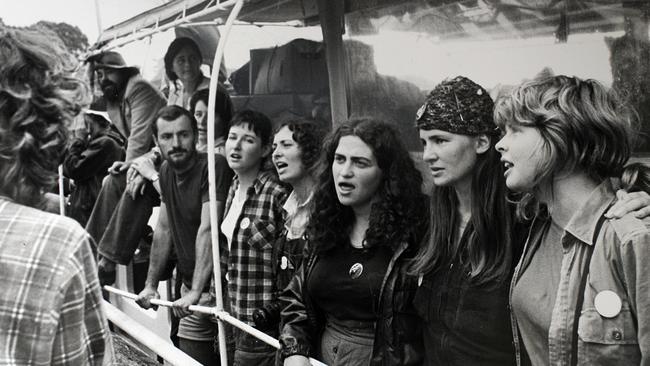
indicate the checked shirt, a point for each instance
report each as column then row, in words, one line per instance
column 251, row 277
column 50, row 303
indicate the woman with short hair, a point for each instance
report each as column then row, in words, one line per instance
column 580, row 293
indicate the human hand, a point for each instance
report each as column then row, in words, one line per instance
column 635, row 203
column 119, row 167
column 146, row 295
column 136, row 185
column 181, row 307
column 145, row 167
column 296, row 360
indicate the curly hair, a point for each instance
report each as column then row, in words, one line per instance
column 400, row 210
column 309, row 137
column 38, row 97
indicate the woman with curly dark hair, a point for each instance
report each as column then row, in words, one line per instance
column 350, row 303
column 50, row 304
column 296, row 148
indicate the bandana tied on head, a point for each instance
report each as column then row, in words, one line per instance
column 460, row 106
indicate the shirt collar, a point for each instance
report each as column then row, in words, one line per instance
column 263, row 176
column 292, row 206
column 583, row 222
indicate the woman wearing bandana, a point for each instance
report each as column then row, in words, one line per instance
column 474, row 240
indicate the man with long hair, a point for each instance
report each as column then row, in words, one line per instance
column 50, row 304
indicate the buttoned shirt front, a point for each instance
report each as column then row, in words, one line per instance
column 251, row 276
column 50, row 303
column 619, row 265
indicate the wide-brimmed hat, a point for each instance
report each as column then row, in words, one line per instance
column 109, row 60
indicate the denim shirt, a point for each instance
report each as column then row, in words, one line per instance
column 620, row 264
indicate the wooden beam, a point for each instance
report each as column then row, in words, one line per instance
column 331, row 16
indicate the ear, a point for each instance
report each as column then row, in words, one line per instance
column 266, row 150
column 483, row 143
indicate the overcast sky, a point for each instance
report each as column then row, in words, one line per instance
column 76, row 12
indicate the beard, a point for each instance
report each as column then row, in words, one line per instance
column 111, row 90
column 178, row 163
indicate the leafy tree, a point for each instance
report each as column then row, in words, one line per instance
column 71, row 35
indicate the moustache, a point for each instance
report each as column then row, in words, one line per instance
column 177, row 150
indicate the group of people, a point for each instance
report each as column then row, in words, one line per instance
column 523, row 252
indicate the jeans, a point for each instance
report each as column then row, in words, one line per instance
column 250, row 351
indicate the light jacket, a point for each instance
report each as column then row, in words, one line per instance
column 620, row 263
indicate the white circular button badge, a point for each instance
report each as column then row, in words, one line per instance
column 245, row 223
column 608, row 304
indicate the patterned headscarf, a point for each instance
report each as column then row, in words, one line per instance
column 460, row 106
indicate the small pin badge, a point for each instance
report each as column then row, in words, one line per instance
column 245, row 223
column 608, row 304
column 356, row 270
column 420, row 111
column 479, row 92
column 284, row 263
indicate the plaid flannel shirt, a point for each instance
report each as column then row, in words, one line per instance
column 251, row 277
column 50, row 303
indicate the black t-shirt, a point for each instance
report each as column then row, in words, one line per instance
column 184, row 196
column 346, row 281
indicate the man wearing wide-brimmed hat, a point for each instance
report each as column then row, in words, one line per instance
column 132, row 104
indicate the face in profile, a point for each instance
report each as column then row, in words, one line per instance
column 356, row 174
column 287, row 156
column 187, row 64
column 451, row 157
column 522, row 153
column 244, row 149
column 176, row 141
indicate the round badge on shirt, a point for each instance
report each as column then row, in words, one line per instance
column 284, row 262
column 245, row 223
column 608, row 304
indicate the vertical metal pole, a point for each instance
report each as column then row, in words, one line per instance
column 214, row 225
column 98, row 18
column 331, row 15
column 61, row 192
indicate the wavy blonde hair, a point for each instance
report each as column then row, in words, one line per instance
column 584, row 127
column 38, row 98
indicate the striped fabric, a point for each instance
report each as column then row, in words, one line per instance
column 250, row 266
column 50, row 303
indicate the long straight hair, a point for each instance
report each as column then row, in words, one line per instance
column 487, row 251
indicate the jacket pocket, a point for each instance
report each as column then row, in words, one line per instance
column 607, row 341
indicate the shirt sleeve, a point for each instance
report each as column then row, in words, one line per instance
column 635, row 252
column 145, row 102
column 82, row 336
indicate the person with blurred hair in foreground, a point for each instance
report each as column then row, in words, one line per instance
column 50, row 305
